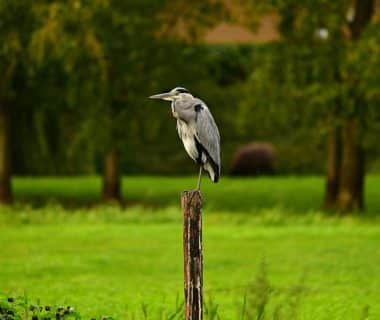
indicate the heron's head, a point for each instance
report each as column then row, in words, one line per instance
column 172, row 95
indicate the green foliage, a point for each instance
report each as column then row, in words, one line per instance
column 20, row 308
column 194, row 20
column 14, row 32
column 311, row 80
column 78, row 74
column 363, row 71
column 92, row 65
column 140, row 127
column 43, row 43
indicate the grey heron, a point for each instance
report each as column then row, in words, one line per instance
column 197, row 129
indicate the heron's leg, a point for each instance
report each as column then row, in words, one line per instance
column 199, row 178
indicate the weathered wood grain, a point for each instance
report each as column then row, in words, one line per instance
column 193, row 257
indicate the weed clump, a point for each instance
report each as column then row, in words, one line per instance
column 19, row 308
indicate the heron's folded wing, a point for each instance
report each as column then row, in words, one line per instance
column 207, row 132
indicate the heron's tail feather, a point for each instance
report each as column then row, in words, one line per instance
column 212, row 170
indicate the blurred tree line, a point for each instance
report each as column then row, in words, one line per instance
column 76, row 74
column 322, row 72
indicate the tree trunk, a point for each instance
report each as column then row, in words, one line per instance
column 352, row 170
column 5, row 156
column 111, row 177
column 351, row 193
column 363, row 12
column 333, row 164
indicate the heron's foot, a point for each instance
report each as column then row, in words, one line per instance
column 194, row 192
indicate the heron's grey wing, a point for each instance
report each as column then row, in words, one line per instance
column 207, row 132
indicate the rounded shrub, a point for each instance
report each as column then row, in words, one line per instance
column 254, row 159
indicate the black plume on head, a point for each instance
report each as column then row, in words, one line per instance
column 181, row 90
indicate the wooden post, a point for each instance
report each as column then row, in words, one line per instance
column 193, row 258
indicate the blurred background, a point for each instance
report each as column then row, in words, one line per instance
column 300, row 82
column 294, row 87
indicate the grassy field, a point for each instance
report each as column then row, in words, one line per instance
column 111, row 261
column 295, row 194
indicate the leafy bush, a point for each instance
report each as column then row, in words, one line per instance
column 19, row 308
column 254, row 159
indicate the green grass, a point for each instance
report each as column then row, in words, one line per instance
column 108, row 261
column 296, row 194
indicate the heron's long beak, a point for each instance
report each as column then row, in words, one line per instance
column 163, row 96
